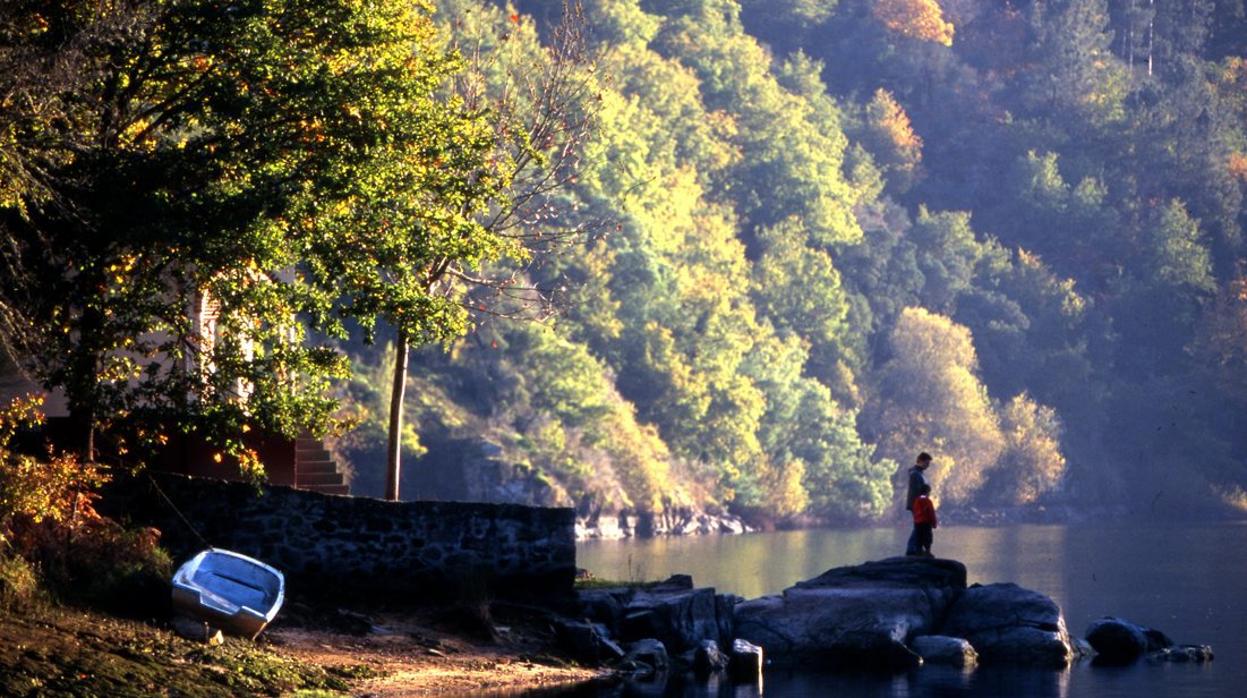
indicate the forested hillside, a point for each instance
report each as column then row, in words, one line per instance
column 815, row 238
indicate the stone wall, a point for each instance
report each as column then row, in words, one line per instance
column 367, row 548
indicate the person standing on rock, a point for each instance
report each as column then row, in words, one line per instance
column 916, row 483
column 925, row 522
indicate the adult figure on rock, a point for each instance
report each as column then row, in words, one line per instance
column 916, row 483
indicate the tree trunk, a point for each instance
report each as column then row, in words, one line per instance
column 394, row 447
column 1151, row 32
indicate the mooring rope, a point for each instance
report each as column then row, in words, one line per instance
column 177, row 511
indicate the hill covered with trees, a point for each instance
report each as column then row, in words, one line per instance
column 822, row 236
column 649, row 256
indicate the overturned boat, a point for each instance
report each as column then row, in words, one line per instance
column 236, row 593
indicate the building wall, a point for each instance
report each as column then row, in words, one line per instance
column 369, row 549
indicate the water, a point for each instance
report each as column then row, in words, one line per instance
column 1187, row 580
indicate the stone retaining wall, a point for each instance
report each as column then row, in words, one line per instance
column 367, row 548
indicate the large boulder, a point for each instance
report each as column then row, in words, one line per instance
column 672, row 611
column 589, row 643
column 854, row 617
column 649, row 656
column 1011, row 625
column 1119, row 641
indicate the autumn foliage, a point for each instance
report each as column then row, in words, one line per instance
column 916, row 19
column 48, row 518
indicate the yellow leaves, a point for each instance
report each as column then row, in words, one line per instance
column 934, row 401
column 137, row 134
column 916, row 19
column 893, row 140
column 23, row 411
column 890, row 118
column 37, row 490
column 1235, row 72
column 1237, row 165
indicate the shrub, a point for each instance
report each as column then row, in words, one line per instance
column 19, row 585
column 47, row 517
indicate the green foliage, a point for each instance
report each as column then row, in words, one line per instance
column 782, row 271
column 1177, row 255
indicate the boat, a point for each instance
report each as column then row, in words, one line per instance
column 230, row 591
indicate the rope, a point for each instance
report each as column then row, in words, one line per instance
column 177, row 511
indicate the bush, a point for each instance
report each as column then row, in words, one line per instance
column 19, row 585
column 48, row 518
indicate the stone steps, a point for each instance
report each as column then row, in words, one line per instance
column 315, row 469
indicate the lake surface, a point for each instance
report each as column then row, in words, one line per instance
column 1189, row 580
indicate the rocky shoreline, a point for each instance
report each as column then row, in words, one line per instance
column 891, row 615
column 629, row 524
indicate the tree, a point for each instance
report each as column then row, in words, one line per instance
column 462, row 193
column 203, row 142
column 1220, row 340
column 1177, row 255
column 890, row 137
column 1032, row 464
column 915, row 19
column 929, row 398
column 1079, row 73
column 798, row 288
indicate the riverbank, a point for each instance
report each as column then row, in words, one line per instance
column 58, row 651
column 632, row 526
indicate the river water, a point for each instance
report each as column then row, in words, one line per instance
column 1189, row 580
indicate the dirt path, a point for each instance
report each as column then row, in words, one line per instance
column 405, row 656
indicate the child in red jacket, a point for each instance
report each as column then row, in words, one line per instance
column 924, row 521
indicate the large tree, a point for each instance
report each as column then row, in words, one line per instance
column 183, row 152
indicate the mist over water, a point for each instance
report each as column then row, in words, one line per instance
column 1184, row 579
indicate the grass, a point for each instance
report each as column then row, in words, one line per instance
column 70, row 652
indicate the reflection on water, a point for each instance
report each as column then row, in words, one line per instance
column 766, row 563
column 933, row 682
column 1185, row 580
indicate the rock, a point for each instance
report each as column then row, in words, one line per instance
column 745, row 661
column 1011, row 625
column 676, row 582
column 708, row 658
column 724, row 605
column 680, row 618
column 650, row 653
column 589, row 643
column 941, row 649
column 1116, row 641
column 672, row 611
column 894, row 572
column 1182, row 653
column 854, row 617
column 197, row 631
column 604, row 606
